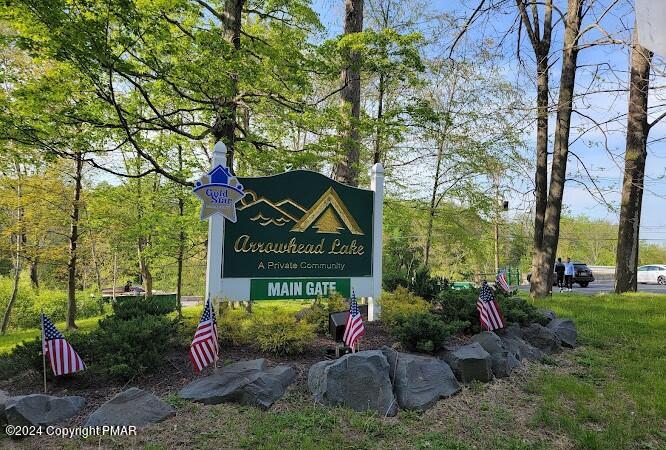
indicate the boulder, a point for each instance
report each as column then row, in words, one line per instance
column 521, row 349
column 131, row 407
column 419, row 381
column 503, row 359
column 4, row 396
column 359, row 381
column 470, row 362
column 542, row 338
column 245, row 382
column 565, row 330
column 41, row 409
column 548, row 314
column 513, row 330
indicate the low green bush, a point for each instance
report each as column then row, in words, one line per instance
column 518, row 310
column 424, row 332
column 23, row 357
column 280, row 333
column 318, row 313
column 401, row 302
column 232, row 326
column 132, row 306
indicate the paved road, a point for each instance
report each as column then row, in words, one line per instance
column 605, row 286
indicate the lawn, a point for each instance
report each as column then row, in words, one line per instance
column 15, row 337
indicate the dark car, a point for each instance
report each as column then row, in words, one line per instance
column 582, row 275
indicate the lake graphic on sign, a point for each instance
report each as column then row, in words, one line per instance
column 299, row 223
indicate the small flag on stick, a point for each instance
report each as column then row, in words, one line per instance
column 205, row 348
column 502, row 283
column 490, row 314
column 354, row 328
column 64, row 359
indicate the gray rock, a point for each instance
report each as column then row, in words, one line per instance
column 419, row 381
column 245, row 382
column 4, row 396
column 521, row 349
column 503, row 359
column 542, row 338
column 548, row 314
column 513, row 330
column 131, row 407
column 359, row 381
column 470, row 362
column 41, row 409
column 565, row 330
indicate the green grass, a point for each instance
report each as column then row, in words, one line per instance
column 16, row 337
column 615, row 395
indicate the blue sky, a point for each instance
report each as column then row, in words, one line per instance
column 602, row 152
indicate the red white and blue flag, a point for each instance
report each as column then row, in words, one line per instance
column 490, row 314
column 502, row 283
column 354, row 328
column 205, row 348
column 64, row 360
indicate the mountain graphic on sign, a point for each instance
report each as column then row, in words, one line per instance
column 323, row 218
column 328, row 214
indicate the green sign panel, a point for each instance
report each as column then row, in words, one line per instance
column 299, row 224
column 298, row 288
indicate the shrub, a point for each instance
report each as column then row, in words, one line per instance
column 401, row 302
column 424, row 332
column 232, row 326
column 280, row 333
column 129, row 307
column 317, row 314
column 22, row 357
column 425, row 285
column 520, row 311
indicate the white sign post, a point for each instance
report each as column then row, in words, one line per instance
column 377, row 185
column 214, row 259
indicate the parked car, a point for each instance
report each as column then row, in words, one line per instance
column 654, row 274
column 583, row 275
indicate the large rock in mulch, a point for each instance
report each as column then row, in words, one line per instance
column 521, row 349
column 359, row 381
column 503, row 360
column 41, row 409
column 246, row 382
column 548, row 314
column 565, row 330
column 4, row 396
column 470, row 362
column 131, row 407
column 512, row 330
column 542, row 338
column 419, row 381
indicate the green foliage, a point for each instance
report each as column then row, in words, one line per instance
column 25, row 356
column 424, row 332
column 232, row 326
column 126, row 308
column 280, row 333
column 31, row 302
column 318, row 313
column 401, row 302
column 518, row 310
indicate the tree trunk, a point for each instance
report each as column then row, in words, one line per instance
column 34, row 273
column 638, row 129
column 224, row 128
column 545, row 256
column 181, row 237
column 433, row 203
column 98, row 275
column 73, row 242
column 350, row 100
column 17, row 265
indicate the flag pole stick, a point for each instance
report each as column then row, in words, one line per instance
column 217, row 357
column 43, row 352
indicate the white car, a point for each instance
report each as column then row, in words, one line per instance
column 654, row 273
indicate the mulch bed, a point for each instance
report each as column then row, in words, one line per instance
column 177, row 372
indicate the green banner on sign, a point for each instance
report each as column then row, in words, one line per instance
column 298, row 288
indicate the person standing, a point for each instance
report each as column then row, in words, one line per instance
column 559, row 271
column 569, row 274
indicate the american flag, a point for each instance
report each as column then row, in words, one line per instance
column 64, row 359
column 502, row 283
column 489, row 311
column 354, row 328
column 205, row 348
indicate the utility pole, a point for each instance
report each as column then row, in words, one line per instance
column 498, row 201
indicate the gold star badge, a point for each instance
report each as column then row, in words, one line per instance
column 219, row 191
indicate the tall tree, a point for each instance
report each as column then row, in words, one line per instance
column 638, row 128
column 74, row 240
column 17, row 237
column 544, row 258
column 347, row 170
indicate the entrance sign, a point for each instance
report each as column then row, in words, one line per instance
column 295, row 235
